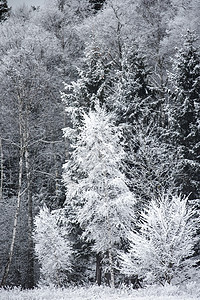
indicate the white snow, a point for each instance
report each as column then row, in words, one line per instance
column 188, row 292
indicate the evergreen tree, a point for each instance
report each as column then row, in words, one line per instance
column 133, row 92
column 185, row 115
column 149, row 165
column 93, row 84
column 152, row 165
column 102, row 200
column 80, row 96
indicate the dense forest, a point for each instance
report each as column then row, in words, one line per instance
column 99, row 142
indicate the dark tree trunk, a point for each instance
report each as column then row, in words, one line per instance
column 98, row 269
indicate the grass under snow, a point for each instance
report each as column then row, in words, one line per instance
column 188, row 292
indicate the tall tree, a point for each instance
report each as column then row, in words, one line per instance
column 93, row 83
column 138, row 107
column 133, row 92
column 26, row 70
column 185, row 81
column 104, row 204
column 19, row 197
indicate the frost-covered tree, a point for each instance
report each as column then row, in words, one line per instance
column 152, row 165
column 138, row 107
column 79, row 97
column 27, row 65
column 185, row 133
column 92, row 84
column 96, row 187
column 52, row 247
column 132, row 95
column 160, row 252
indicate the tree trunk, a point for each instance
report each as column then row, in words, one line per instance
column 30, row 271
column 10, row 256
column 110, row 245
column 98, row 269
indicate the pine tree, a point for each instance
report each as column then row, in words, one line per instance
column 160, row 252
column 148, row 163
column 93, row 84
column 102, row 200
column 132, row 90
column 185, row 80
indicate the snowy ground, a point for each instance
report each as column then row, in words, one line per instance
column 188, row 292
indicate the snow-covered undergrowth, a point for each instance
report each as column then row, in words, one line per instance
column 188, row 292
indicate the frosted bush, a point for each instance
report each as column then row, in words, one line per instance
column 52, row 247
column 161, row 251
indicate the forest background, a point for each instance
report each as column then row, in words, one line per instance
column 140, row 60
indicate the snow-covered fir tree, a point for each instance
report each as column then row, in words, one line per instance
column 52, row 247
column 149, row 163
column 161, row 251
column 93, row 83
column 184, row 119
column 132, row 89
column 152, row 165
column 97, row 192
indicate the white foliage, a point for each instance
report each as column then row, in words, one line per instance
column 102, row 201
column 161, row 250
column 52, row 247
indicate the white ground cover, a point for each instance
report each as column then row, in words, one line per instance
column 188, row 292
